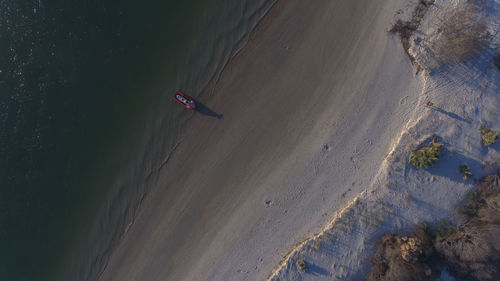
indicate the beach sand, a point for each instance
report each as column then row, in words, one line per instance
column 311, row 105
column 464, row 98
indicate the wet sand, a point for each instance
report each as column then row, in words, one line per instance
column 310, row 106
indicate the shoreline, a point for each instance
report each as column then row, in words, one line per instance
column 161, row 137
column 261, row 171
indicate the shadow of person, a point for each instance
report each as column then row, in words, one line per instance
column 451, row 114
column 205, row 110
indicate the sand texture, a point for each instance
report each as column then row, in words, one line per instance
column 464, row 98
column 311, row 107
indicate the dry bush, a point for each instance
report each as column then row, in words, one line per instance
column 403, row 257
column 470, row 252
column 460, row 35
column 467, row 253
column 473, row 252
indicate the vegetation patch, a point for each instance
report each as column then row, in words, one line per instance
column 457, row 34
column 469, row 207
column 406, row 28
column 473, row 251
column 426, row 156
column 470, row 251
column 301, row 264
column 462, row 35
column 403, row 257
column 345, row 225
column 377, row 215
column 488, row 136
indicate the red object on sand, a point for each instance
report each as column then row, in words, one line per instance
column 186, row 101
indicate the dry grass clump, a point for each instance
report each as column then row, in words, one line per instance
column 460, row 35
column 403, row 257
column 488, row 136
column 426, row 156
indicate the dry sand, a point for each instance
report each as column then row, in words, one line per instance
column 465, row 98
column 311, row 106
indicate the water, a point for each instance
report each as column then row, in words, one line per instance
column 87, row 120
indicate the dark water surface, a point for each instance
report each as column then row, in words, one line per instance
column 86, row 117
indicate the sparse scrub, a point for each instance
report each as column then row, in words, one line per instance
column 472, row 250
column 345, row 225
column 301, row 264
column 426, row 156
column 375, row 218
column 463, row 35
column 459, row 35
column 468, row 252
column 329, row 236
column 469, row 207
column 488, row 136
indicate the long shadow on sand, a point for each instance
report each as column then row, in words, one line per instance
column 205, row 110
column 450, row 114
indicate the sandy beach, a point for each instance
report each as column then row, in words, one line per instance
column 311, row 106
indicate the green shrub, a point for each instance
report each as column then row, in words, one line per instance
column 302, row 265
column 426, row 156
column 489, row 137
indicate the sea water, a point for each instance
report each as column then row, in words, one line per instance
column 87, row 118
